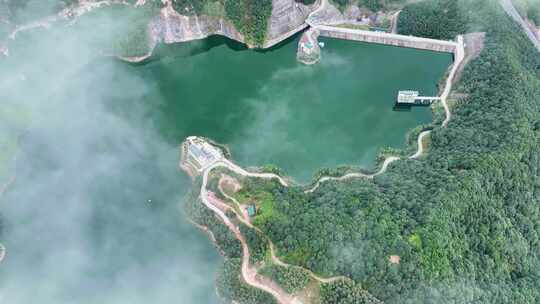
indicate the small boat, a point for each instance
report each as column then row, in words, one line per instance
column 321, row 44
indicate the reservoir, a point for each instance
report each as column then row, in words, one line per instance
column 269, row 109
column 96, row 213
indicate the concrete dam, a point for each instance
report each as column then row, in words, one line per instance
column 388, row 39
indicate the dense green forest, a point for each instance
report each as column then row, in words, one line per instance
column 291, row 279
column 346, row 292
column 529, row 9
column 189, row 7
column 464, row 219
column 231, row 286
column 533, row 14
column 250, row 17
column 438, row 19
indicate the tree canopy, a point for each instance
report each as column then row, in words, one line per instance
column 464, row 219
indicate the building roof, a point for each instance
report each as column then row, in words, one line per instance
column 252, row 210
column 394, row 259
column 407, row 96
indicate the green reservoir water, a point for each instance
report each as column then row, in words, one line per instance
column 95, row 214
column 270, row 109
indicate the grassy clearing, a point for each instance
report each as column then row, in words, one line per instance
column 265, row 203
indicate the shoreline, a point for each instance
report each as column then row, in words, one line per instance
column 420, row 150
column 168, row 12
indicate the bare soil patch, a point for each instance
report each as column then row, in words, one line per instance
column 474, row 44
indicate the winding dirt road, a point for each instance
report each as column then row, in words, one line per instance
column 249, row 273
column 241, row 171
column 394, row 21
column 322, row 7
column 384, row 166
column 275, row 259
column 420, row 140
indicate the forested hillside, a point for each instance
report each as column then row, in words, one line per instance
column 438, row 19
column 529, row 9
column 464, row 219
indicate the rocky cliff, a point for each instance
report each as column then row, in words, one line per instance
column 288, row 17
column 171, row 27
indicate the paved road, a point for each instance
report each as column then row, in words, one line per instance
column 385, row 165
column 459, row 56
column 512, row 12
column 322, row 7
column 420, row 140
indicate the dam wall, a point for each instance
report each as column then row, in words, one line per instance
column 388, row 39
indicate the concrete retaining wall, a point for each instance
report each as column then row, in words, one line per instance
column 388, row 39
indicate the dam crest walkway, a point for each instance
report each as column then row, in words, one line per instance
column 387, row 38
column 325, row 26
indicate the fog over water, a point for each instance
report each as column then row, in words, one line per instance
column 95, row 213
column 270, row 109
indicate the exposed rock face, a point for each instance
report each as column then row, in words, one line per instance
column 353, row 12
column 171, row 27
column 327, row 15
column 288, row 17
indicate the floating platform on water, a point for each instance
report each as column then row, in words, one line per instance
column 412, row 98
